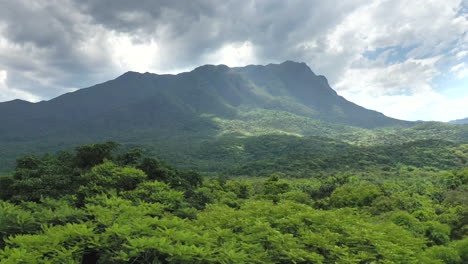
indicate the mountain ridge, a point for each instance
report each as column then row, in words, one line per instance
column 289, row 65
column 176, row 112
column 213, row 89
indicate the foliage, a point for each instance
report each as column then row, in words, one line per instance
column 129, row 208
column 312, row 156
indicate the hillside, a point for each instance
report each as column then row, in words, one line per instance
column 307, row 157
column 157, row 101
column 171, row 115
column 285, row 98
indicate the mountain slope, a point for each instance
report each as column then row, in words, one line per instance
column 296, row 80
column 151, row 100
column 175, row 112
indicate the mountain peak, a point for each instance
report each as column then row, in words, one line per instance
column 129, row 74
column 17, row 102
column 294, row 63
column 291, row 66
column 211, row 68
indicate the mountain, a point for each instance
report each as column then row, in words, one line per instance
column 459, row 121
column 174, row 115
column 174, row 101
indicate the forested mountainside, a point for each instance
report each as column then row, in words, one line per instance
column 172, row 115
column 150, row 100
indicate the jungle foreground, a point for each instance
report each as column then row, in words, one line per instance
column 102, row 204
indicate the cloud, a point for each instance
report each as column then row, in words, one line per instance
column 7, row 93
column 128, row 54
column 424, row 38
column 49, row 47
column 460, row 70
column 189, row 34
column 393, row 79
column 427, row 105
column 234, row 55
column 394, row 90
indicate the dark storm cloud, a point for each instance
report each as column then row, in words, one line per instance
column 193, row 28
column 48, row 42
column 48, row 47
column 130, row 16
column 41, row 46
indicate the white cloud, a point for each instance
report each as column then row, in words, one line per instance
column 7, row 94
column 404, row 88
column 460, row 70
column 130, row 54
column 462, row 54
column 411, row 76
column 427, row 105
column 427, row 26
column 234, row 55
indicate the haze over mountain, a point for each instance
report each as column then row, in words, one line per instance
column 459, row 121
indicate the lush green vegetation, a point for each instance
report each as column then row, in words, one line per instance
column 421, row 131
column 199, row 142
column 257, row 122
column 200, row 105
column 269, row 165
column 100, row 205
column 307, row 156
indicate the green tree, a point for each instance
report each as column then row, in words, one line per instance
column 354, row 196
column 88, row 156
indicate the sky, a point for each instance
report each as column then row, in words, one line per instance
column 406, row 59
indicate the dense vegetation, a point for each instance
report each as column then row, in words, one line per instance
column 186, row 117
column 268, row 165
column 210, row 101
column 100, row 205
column 193, row 145
column 306, row 156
